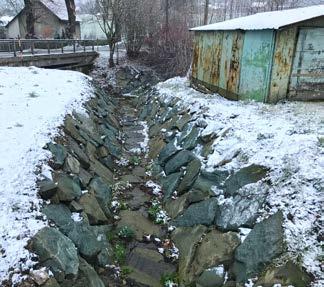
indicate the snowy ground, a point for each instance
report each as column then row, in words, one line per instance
column 284, row 137
column 33, row 103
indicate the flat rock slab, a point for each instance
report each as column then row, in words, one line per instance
column 203, row 212
column 56, row 251
column 148, row 267
column 138, row 223
column 137, row 199
column 263, row 244
column 215, row 249
column 186, row 240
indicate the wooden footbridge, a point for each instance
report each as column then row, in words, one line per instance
column 63, row 54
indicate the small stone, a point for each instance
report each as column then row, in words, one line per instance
column 72, row 165
column 68, row 188
column 59, row 154
column 212, row 277
column 92, row 208
column 47, row 188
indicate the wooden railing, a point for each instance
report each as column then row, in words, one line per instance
column 18, row 47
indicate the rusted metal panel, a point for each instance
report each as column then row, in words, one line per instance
column 208, row 57
column 234, row 68
column 225, row 59
column 215, row 69
column 282, row 64
column 307, row 78
column 256, row 65
column 196, row 53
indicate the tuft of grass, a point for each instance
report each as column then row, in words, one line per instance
column 166, row 279
column 126, row 271
column 126, row 233
column 135, row 160
column 119, row 253
column 153, row 211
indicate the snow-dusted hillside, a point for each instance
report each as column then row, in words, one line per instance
column 33, row 103
column 287, row 138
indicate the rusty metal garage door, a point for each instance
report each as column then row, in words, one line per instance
column 307, row 78
column 256, row 65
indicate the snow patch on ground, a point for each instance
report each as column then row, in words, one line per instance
column 285, row 138
column 33, row 103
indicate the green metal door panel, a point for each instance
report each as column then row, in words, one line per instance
column 217, row 54
column 225, row 59
column 307, row 77
column 234, row 69
column 282, row 64
column 256, row 65
column 209, row 44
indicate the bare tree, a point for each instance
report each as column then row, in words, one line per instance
column 70, row 7
column 109, row 18
column 135, row 22
column 30, row 18
column 206, row 12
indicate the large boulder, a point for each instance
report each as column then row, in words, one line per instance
column 138, row 223
column 178, row 161
column 250, row 174
column 216, row 248
column 167, row 152
column 203, row 212
column 60, row 214
column 242, row 210
column 59, row 154
column 147, row 267
column 89, row 276
column 170, row 184
column 68, row 188
column 92, row 208
column 190, row 176
column 212, row 277
column 288, row 274
column 103, row 194
column 57, row 252
column 263, row 244
column 186, row 240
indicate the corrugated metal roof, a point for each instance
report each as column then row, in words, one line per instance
column 267, row 20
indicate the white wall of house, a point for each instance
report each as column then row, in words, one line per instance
column 13, row 30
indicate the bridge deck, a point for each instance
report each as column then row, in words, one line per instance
column 47, row 53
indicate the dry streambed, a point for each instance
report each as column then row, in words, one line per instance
column 129, row 203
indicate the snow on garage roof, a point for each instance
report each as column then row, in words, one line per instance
column 267, row 20
column 58, row 8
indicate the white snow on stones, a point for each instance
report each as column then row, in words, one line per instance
column 286, row 138
column 33, row 104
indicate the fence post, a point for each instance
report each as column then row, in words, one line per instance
column 84, row 46
column 62, row 47
column 32, row 47
column 73, row 46
column 14, row 47
column 48, row 48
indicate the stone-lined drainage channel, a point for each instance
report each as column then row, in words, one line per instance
column 111, row 224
